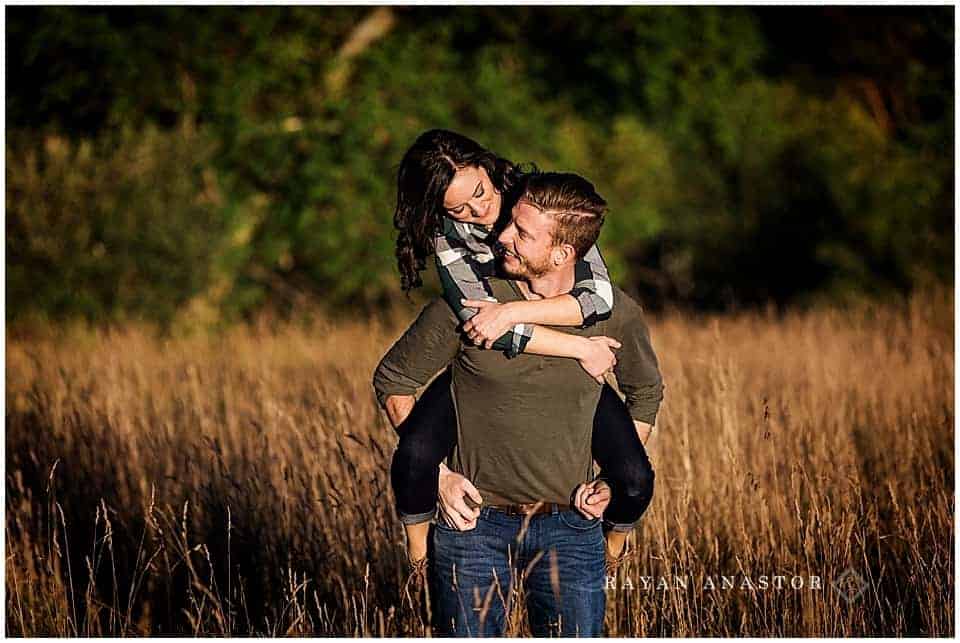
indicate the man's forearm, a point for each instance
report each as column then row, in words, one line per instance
column 563, row 310
column 398, row 407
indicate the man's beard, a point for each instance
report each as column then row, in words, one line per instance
column 526, row 269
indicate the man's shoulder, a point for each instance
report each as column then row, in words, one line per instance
column 627, row 312
column 436, row 312
column 504, row 289
column 626, row 304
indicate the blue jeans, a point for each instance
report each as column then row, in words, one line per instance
column 561, row 558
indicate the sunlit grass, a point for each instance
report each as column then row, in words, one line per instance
column 239, row 484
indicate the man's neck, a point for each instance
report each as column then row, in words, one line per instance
column 552, row 284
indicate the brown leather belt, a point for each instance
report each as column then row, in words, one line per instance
column 530, row 508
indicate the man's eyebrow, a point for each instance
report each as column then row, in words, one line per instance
column 454, row 207
column 521, row 228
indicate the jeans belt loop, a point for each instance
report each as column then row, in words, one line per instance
column 554, row 509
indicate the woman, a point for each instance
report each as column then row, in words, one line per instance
column 451, row 195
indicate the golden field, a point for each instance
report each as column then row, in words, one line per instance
column 238, row 483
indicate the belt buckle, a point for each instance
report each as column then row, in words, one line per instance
column 524, row 509
column 532, row 508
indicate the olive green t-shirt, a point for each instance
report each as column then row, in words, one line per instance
column 524, row 423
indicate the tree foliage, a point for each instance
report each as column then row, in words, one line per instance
column 209, row 161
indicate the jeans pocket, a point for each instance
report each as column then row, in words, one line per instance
column 574, row 520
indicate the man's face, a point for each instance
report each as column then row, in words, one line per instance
column 528, row 242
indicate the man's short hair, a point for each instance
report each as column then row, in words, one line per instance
column 575, row 205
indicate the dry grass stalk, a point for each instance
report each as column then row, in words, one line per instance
column 238, row 484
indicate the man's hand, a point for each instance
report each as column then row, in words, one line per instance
column 453, row 506
column 597, row 356
column 491, row 321
column 398, row 407
column 591, row 498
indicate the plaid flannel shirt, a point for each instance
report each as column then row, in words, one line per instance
column 465, row 259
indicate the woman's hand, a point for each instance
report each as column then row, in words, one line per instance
column 591, row 498
column 453, row 492
column 492, row 320
column 597, row 356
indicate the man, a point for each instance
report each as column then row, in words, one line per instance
column 524, row 432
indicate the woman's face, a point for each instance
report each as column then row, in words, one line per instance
column 471, row 197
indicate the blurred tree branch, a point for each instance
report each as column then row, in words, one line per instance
column 373, row 27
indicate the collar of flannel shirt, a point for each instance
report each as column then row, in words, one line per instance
column 478, row 230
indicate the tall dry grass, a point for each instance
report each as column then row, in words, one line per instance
column 238, row 484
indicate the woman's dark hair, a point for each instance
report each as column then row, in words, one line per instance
column 425, row 174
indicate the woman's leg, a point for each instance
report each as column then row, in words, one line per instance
column 623, row 461
column 426, row 437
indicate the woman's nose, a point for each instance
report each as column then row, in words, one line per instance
column 477, row 206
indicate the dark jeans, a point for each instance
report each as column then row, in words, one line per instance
column 561, row 555
column 429, row 434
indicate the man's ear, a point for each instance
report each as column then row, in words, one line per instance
column 563, row 253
